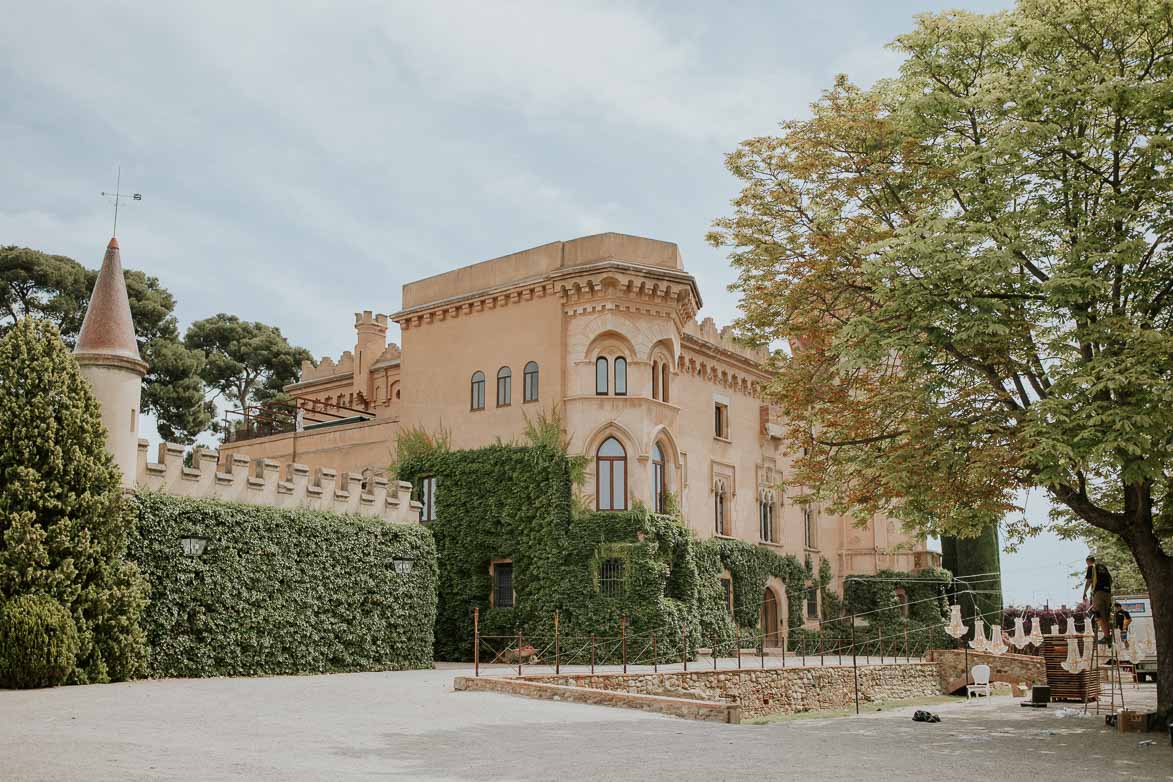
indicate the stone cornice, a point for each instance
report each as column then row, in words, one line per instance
column 558, row 282
column 138, row 366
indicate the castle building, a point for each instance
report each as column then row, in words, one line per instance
column 667, row 409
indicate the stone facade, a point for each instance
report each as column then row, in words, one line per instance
column 604, row 329
column 1020, row 670
column 760, row 692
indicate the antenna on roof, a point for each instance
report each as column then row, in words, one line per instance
column 118, row 195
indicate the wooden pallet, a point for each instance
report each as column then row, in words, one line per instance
column 1078, row 687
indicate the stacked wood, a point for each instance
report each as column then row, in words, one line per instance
column 1078, row 687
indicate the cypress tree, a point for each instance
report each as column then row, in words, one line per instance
column 63, row 518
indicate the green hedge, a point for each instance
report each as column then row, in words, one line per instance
column 281, row 591
column 38, row 642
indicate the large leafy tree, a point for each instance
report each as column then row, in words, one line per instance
column 57, row 288
column 63, row 518
column 971, row 263
column 247, row 362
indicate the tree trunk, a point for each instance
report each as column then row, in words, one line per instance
column 1157, row 568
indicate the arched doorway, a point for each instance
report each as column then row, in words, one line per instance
column 769, row 618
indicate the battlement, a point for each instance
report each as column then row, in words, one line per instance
column 723, row 338
column 366, row 318
column 258, row 482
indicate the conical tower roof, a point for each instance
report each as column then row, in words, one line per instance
column 108, row 329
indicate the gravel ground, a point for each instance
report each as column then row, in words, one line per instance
column 411, row 725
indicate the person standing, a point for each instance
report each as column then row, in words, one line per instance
column 1123, row 620
column 1099, row 581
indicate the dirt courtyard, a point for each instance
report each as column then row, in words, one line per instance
column 411, row 725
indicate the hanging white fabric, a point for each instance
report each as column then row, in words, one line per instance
column 1071, row 664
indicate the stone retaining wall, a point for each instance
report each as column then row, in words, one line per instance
column 1018, row 669
column 759, row 692
column 689, row 709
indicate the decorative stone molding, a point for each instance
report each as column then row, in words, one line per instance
column 258, row 482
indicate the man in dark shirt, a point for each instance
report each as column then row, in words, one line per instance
column 1099, row 582
column 1123, row 620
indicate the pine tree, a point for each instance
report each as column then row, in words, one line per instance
column 63, row 518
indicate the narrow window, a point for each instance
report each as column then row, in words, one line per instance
column 601, row 372
column 655, row 380
column 809, row 523
column 727, row 588
column 812, row 603
column 504, row 386
column 659, row 484
column 611, row 476
column 664, row 382
column 531, row 382
column 721, row 420
column 620, row 376
column 611, row 577
column 766, row 514
column 720, row 511
column 502, row 585
column 477, row 401
column 427, row 495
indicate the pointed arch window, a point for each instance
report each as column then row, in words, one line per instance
column 620, row 376
column 720, row 508
column 766, row 516
column 659, row 480
column 602, row 371
column 664, row 382
column 504, row 386
column 477, row 391
column 611, row 476
column 531, row 382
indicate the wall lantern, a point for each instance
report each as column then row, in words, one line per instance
column 194, row 545
column 403, row 566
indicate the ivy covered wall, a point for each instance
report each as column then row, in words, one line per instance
column 281, row 591
column 507, row 502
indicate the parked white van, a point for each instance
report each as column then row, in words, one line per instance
column 1141, row 635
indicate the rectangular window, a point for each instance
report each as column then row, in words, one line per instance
column 721, row 420
column 810, row 525
column 727, row 587
column 611, row 577
column 427, row 494
column 812, row 603
column 502, row 585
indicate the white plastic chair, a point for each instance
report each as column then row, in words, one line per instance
column 981, row 683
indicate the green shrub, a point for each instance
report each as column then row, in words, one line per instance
column 38, row 642
column 282, row 591
column 63, row 520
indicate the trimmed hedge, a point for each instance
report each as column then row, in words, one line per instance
column 281, row 591
column 38, row 642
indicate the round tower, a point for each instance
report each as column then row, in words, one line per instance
column 108, row 354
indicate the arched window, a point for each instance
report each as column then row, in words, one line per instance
column 659, row 480
column 611, row 476
column 766, row 516
column 531, row 382
column 664, row 382
column 504, row 386
column 655, row 380
column 477, row 395
column 601, row 372
column 620, row 376
column 720, row 508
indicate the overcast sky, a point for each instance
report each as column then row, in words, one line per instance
column 301, row 161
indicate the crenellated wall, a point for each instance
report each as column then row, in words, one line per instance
column 259, row 482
